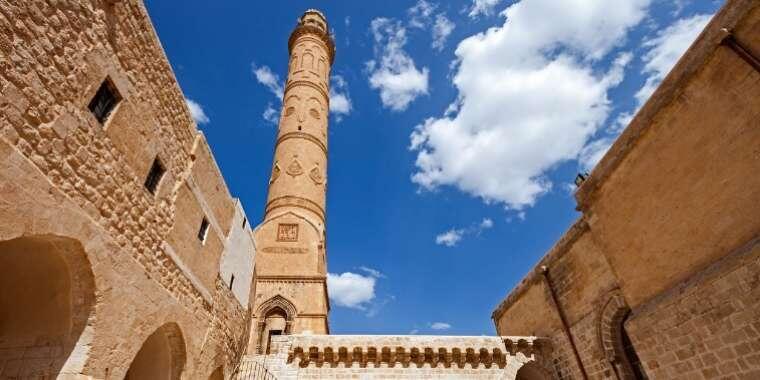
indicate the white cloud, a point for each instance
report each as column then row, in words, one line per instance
column 453, row 236
column 351, row 290
column 420, row 13
column 530, row 96
column 393, row 71
column 340, row 100
column 665, row 49
column 441, row 30
column 414, row 332
column 450, row 238
column 270, row 114
column 440, row 326
column 482, row 7
column 196, row 111
column 372, row 272
column 269, row 79
column 421, row 17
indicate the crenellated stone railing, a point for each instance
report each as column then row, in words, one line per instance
column 407, row 351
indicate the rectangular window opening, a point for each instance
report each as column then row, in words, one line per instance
column 104, row 101
column 204, row 230
column 232, row 281
column 154, row 176
column 244, row 221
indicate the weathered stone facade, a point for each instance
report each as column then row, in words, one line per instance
column 135, row 290
column 659, row 277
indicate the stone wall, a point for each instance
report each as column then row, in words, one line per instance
column 64, row 175
column 667, row 245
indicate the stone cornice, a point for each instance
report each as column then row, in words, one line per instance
column 294, row 201
column 297, row 82
column 301, row 135
column 325, row 38
column 291, row 278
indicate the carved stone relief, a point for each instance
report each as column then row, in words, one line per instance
column 295, row 168
column 287, row 232
column 285, row 250
column 316, row 175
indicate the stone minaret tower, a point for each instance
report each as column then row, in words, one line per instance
column 291, row 287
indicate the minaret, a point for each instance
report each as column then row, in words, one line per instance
column 291, row 287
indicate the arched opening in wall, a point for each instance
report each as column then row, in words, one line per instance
column 631, row 357
column 274, row 317
column 531, row 371
column 275, row 323
column 616, row 342
column 161, row 357
column 46, row 298
column 218, row 374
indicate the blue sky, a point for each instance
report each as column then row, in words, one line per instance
column 456, row 131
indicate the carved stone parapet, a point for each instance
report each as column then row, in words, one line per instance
column 430, row 352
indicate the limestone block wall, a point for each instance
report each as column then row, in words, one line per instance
column 65, row 176
column 667, row 246
column 583, row 283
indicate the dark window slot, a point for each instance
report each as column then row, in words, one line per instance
column 154, row 176
column 204, row 230
column 104, row 101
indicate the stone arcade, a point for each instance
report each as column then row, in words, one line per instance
column 114, row 212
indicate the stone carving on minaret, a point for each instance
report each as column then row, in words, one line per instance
column 295, row 168
column 316, row 175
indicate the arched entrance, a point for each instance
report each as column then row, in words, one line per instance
column 531, row 371
column 275, row 323
column 615, row 341
column 46, row 299
column 274, row 317
column 161, row 357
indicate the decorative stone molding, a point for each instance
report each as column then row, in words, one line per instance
column 408, row 351
column 301, row 135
